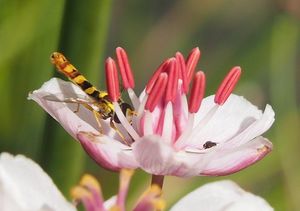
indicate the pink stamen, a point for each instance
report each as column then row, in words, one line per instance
column 172, row 81
column 112, row 81
column 157, row 92
column 227, row 85
column 125, row 69
column 197, row 92
column 191, row 63
column 182, row 72
column 162, row 68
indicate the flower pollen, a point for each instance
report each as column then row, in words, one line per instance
column 182, row 72
column 227, row 85
column 112, row 80
column 125, row 69
column 157, row 93
column 172, row 80
column 162, row 68
column 192, row 62
column 197, row 92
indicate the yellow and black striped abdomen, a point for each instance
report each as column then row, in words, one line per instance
column 104, row 104
column 66, row 68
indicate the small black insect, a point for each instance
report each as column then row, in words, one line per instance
column 209, row 144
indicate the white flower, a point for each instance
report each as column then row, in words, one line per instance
column 170, row 134
column 221, row 196
column 24, row 186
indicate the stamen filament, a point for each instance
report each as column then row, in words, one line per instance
column 188, row 129
column 134, row 99
column 125, row 122
column 203, row 122
column 148, row 128
column 167, row 125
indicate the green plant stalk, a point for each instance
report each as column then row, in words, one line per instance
column 285, row 40
column 82, row 40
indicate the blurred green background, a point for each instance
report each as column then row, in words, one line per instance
column 262, row 36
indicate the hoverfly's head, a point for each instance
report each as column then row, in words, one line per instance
column 59, row 60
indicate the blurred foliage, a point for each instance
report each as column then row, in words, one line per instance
column 262, row 36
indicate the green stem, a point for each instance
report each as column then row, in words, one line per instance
column 82, row 40
column 285, row 39
column 157, row 180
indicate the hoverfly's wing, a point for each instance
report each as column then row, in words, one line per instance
column 81, row 99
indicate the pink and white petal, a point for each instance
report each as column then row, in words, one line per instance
column 157, row 157
column 221, row 195
column 227, row 161
column 237, row 114
column 154, row 155
column 188, row 164
column 25, row 186
column 255, row 129
column 107, row 152
column 83, row 120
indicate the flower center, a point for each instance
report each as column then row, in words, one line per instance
column 163, row 108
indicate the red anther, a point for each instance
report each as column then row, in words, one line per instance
column 112, row 81
column 197, row 92
column 191, row 63
column 227, row 85
column 172, row 86
column 125, row 69
column 157, row 91
column 162, row 68
column 182, row 72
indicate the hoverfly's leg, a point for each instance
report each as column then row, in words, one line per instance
column 98, row 117
column 113, row 126
column 77, row 108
